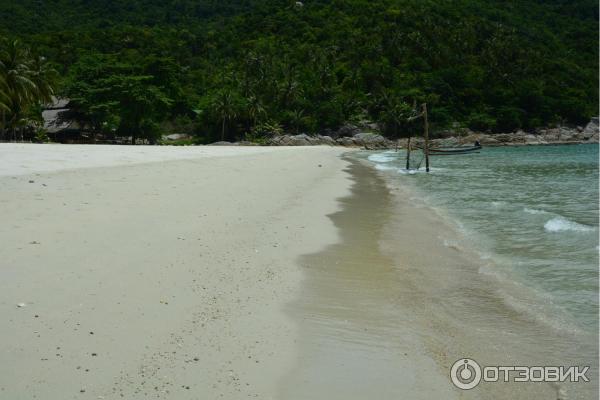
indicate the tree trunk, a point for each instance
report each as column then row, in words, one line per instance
column 133, row 138
column 223, row 130
column 426, row 123
column 408, row 154
column 3, row 131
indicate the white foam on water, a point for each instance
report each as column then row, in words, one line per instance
column 534, row 211
column 383, row 167
column 421, row 170
column 497, row 204
column 451, row 244
column 382, row 157
column 561, row 224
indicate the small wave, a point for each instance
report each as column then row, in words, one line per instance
column 528, row 301
column 381, row 157
column 497, row 204
column 404, row 171
column 560, row 224
column 383, row 167
column 452, row 245
column 534, row 211
column 543, row 311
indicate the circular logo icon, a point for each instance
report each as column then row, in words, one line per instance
column 465, row 373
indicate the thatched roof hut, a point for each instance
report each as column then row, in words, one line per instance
column 55, row 117
column 60, row 124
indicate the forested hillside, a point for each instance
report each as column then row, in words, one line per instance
column 248, row 68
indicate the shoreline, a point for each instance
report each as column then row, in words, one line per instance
column 354, row 343
column 159, row 279
column 468, row 310
column 386, row 311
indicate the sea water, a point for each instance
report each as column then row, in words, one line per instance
column 531, row 210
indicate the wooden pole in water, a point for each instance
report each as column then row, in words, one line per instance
column 426, row 147
column 408, row 153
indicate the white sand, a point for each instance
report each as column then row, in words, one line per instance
column 23, row 158
column 156, row 280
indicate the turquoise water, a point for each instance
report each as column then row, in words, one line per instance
column 532, row 210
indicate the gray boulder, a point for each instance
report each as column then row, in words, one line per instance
column 223, row 143
column 483, row 138
column 176, row 136
column 299, row 140
column 290, row 140
column 345, row 141
column 372, row 141
column 347, row 130
column 447, row 142
column 591, row 129
column 278, row 140
column 319, row 140
column 551, row 135
column 534, row 139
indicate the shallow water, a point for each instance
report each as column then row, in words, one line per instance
column 531, row 211
column 502, row 250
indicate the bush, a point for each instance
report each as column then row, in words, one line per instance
column 479, row 121
column 41, row 136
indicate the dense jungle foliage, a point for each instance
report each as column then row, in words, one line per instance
column 249, row 68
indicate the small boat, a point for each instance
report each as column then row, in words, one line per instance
column 453, row 150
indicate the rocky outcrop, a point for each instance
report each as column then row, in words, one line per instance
column 301, row 140
column 349, row 137
column 557, row 135
column 361, row 139
column 372, row 141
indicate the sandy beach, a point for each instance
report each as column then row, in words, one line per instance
column 141, row 272
column 295, row 273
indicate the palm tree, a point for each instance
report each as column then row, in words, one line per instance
column 4, row 99
column 297, row 119
column 20, row 89
column 255, row 109
column 43, row 76
column 225, row 108
column 25, row 82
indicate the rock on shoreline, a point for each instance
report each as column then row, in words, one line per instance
column 350, row 136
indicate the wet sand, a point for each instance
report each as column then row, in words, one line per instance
column 356, row 341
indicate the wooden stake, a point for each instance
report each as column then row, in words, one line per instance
column 408, row 154
column 426, row 147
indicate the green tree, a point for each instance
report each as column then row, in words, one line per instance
column 26, row 82
column 226, row 106
column 105, row 93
